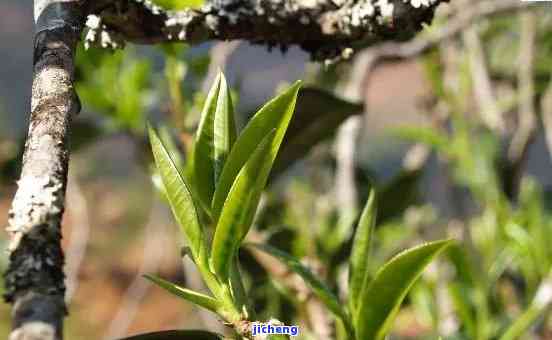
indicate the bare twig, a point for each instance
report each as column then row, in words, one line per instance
column 345, row 187
column 78, row 239
column 482, row 86
column 527, row 125
column 219, row 54
column 153, row 253
column 34, row 279
column 546, row 114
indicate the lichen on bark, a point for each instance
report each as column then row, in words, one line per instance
column 323, row 28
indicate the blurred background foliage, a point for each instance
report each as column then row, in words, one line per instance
column 436, row 135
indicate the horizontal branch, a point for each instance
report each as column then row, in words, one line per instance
column 324, row 28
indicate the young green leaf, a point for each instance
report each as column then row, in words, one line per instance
column 276, row 114
column 179, row 197
column 215, row 136
column 196, row 298
column 177, row 335
column 360, row 253
column 240, row 206
column 380, row 300
column 318, row 287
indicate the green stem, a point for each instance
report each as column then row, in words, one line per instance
column 520, row 326
column 540, row 303
column 238, row 290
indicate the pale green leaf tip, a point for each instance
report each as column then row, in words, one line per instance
column 150, row 278
column 151, row 131
column 439, row 244
column 297, row 85
column 220, row 75
column 155, row 280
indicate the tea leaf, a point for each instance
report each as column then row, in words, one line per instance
column 276, row 114
column 196, row 298
column 381, row 299
column 240, row 207
column 215, row 136
column 179, row 197
column 360, row 253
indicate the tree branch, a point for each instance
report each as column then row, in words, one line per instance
column 324, row 28
column 34, row 278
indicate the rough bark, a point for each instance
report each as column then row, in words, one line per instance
column 325, row 28
column 34, row 278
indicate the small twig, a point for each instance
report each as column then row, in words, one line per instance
column 76, row 248
column 482, row 86
column 345, row 186
column 454, row 26
column 153, row 253
column 527, row 125
column 546, row 114
column 219, row 55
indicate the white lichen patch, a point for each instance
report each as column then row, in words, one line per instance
column 35, row 204
column 361, row 14
column 179, row 21
column 386, row 9
column 34, row 330
column 98, row 35
column 420, row 3
column 51, row 81
column 544, row 294
column 155, row 9
column 308, row 4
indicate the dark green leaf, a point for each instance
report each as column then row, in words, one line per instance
column 398, row 194
column 381, row 299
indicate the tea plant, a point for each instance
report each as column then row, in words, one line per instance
column 220, row 193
